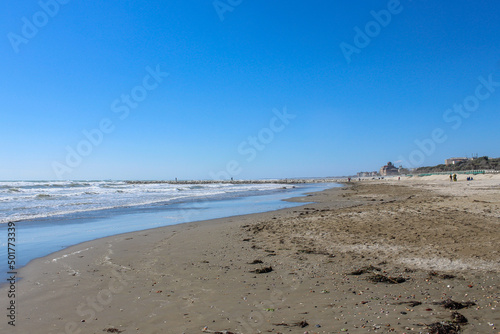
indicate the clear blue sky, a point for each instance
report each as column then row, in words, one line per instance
column 69, row 67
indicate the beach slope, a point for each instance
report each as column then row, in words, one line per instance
column 407, row 256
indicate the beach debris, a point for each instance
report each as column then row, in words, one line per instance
column 447, row 276
column 270, row 252
column 112, row 330
column 314, row 251
column 378, row 278
column 257, row 228
column 269, row 309
column 263, row 270
column 443, row 328
column 206, row 330
column 300, row 324
column 453, row 305
column 364, row 270
column 458, row 318
column 442, row 276
column 411, row 303
column 256, row 262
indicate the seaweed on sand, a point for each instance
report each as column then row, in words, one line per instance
column 443, row 328
column 378, row 278
column 263, row 270
column 364, row 270
column 453, row 305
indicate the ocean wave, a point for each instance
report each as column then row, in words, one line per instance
column 77, row 204
column 79, row 184
column 61, row 212
column 44, row 196
column 112, row 185
column 102, row 195
column 39, row 215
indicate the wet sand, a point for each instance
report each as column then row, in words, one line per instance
column 375, row 256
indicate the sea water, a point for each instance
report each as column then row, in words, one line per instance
column 50, row 216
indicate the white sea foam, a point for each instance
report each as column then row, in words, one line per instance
column 25, row 200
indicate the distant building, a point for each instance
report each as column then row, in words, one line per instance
column 367, row 174
column 453, row 161
column 403, row 171
column 389, row 169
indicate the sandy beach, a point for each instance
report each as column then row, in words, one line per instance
column 382, row 256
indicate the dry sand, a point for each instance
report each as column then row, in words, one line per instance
column 442, row 238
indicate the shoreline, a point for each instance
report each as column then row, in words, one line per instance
column 123, row 220
column 297, row 199
column 184, row 277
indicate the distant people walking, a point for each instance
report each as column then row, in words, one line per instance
column 451, row 177
column 455, row 177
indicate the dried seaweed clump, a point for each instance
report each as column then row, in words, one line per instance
column 378, row 278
